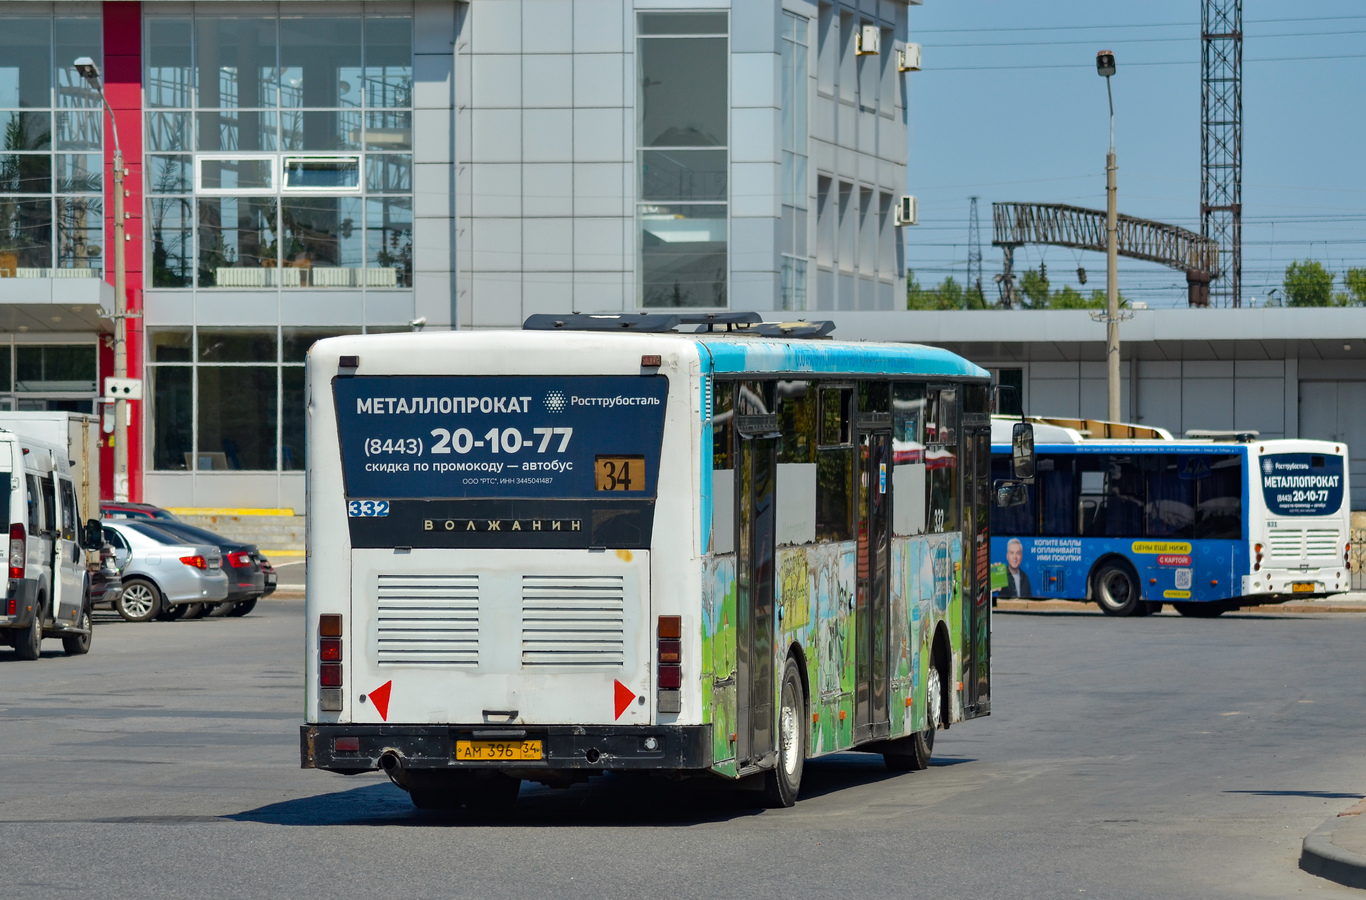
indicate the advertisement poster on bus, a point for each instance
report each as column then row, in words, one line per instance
column 1302, row 484
column 457, row 437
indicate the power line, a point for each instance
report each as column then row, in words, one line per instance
column 1179, row 62
column 1119, row 41
column 1132, row 25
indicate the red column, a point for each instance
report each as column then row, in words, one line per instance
column 122, row 69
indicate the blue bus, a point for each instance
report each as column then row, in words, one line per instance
column 1132, row 523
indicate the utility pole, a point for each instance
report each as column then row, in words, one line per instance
column 88, row 70
column 1221, row 140
column 1105, row 66
column 974, row 252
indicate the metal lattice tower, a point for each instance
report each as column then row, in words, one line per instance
column 1221, row 141
column 974, row 251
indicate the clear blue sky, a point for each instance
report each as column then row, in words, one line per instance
column 996, row 114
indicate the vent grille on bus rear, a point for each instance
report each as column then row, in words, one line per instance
column 1321, row 542
column 429, row 620
column 573, row 620
column 1286, row 543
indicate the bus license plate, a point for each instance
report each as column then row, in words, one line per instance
column 494, row 751
column 1303, row 587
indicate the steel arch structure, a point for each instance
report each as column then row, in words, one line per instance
column 1060, row 225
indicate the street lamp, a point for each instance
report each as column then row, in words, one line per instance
column 1105, row 67
column 86, row 68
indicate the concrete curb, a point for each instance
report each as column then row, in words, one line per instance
column 1321, row 857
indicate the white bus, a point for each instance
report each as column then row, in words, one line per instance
column 599, row 544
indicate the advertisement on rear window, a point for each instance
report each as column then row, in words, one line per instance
column 439, row 437
column 1302, row 484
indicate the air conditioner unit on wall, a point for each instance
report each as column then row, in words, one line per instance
column 908, row 60
column 868, row 41
column 906, row 212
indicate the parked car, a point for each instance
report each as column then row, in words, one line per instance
column 106, row 584
column 119, row 509
column 161, row 571
column 241, row 563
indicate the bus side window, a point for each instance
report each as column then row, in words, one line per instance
column 797, row 421
column 872, row 396
column 976, row 398
column 1111, row 499
column 1170, row 507
column 68, row 511
column 722, row 420
column 835, row 466
column 754, row 398
column 941, row 459
column 35, row 515
column 908, row 420
column 1012, row 521
column 908, row 458
column 1057, row 488
column 1219, row 512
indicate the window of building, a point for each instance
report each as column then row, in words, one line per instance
column 279, row 151
column 795, row 91
column 682, row 142
column 229, row 399
column 51, row 161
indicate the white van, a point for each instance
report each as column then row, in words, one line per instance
column 48, row 589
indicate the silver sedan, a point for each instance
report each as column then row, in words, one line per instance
column 160, row 571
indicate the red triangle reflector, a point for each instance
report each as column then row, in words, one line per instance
column 380, row 697
column 624, row 697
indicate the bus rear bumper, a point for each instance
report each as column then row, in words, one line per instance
column 597, row 748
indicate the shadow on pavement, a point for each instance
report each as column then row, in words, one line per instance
column 1328, row 795
column 609, row 800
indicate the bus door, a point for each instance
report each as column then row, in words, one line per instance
column 976, row 566
column 871, row 620
column 754, row 587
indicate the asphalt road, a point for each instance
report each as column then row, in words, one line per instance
column 1158, row 757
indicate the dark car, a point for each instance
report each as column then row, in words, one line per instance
column 106, row 584
column 121, row 509
column 242, row 564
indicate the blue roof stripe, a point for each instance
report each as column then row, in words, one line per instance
column 834, row 357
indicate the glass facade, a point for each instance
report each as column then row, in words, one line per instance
column 683, row 111
column 51, row 169
column 229, row 399
column 795, row 87
column 279, row 151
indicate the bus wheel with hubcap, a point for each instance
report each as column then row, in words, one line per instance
column 76, row 644
column 912, row 754
column 784, row 780
column 242, row 607
column 28, row 643
column 1116, row 591
column 1201, row 610
column 139, row 601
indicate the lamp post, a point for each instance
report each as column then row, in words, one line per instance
column 1105, row 67
column 86, row 68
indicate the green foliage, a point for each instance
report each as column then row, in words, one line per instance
column 1034, row 287
column 1308, row 283
column 948, row 295
column 1355, row 282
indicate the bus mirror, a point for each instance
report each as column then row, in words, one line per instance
column 93, row 536
column 1011, row 493
column 1022, row 450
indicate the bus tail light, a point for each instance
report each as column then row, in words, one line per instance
column 329, row 662
column 669, row 648
column 1256, row 566
column 18, row 551
column 1347, row 555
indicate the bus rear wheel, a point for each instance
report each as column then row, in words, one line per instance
column 1116, row 591
column 784, row 780
column 1201, row 610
